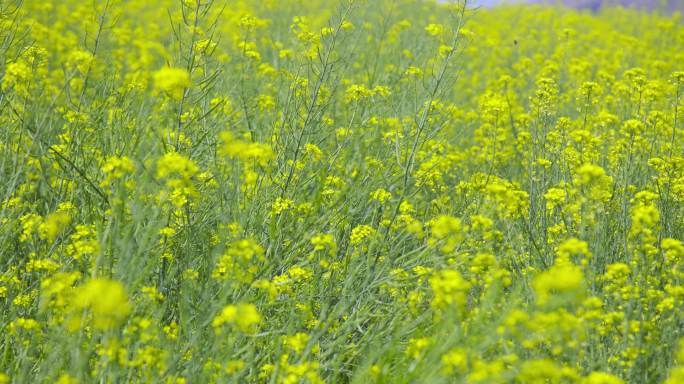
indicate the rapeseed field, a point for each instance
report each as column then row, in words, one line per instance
column 340, row 191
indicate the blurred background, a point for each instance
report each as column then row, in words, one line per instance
column 651, row 5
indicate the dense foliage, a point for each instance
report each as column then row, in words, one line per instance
column 386, row 191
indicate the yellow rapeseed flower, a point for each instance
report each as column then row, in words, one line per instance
column 173, row 81
column 100, row 302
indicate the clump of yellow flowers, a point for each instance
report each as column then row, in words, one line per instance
column 173, row 81
column 101, row 302
column 340, row 191
column 243, row 316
